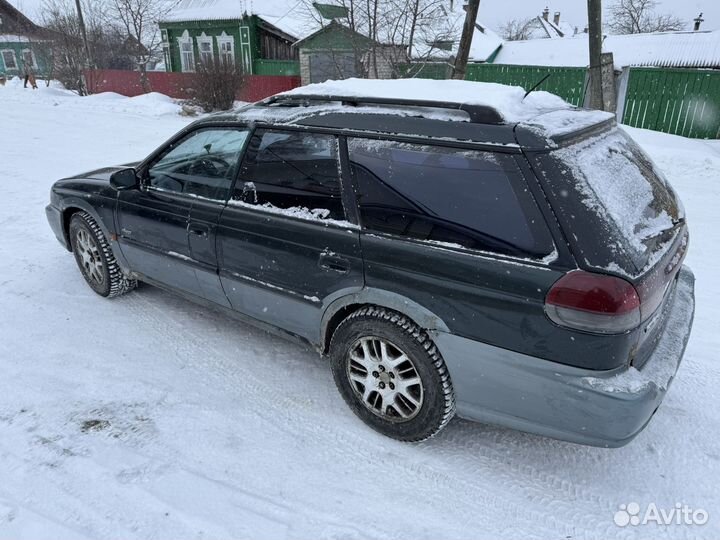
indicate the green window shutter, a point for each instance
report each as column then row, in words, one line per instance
column 246, row 49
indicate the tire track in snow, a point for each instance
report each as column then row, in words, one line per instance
column 540, row 486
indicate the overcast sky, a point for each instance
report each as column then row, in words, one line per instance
column 495, row 12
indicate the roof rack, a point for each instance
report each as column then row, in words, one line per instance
column 478, row 114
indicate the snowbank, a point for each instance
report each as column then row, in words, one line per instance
column 152, row 104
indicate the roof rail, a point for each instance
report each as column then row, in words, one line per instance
column 479, row 114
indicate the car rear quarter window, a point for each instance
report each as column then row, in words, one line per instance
column 292, row 171
column 462, row 198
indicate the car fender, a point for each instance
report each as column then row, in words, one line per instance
column 421, row 315
column 106, row 223
column 84, row 205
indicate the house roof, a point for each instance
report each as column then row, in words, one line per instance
column 356, row 38
column 562, row 29
column 17, row 27
column 484, row 43
column 285, row 15
column 664, row 49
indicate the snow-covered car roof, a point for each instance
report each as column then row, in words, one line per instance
column 472, row 111
column 540, row 109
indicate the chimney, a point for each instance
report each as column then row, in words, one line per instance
column 556, row 18
column 698, row 21
column 546, row 13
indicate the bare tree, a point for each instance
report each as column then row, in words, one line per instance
column 139, row 19
column 516, row 29
column 639, row 17
column 67, row 57
column 384, row 34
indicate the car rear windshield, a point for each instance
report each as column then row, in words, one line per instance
column 633, row 208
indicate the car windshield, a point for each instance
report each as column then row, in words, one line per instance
column 617, row 181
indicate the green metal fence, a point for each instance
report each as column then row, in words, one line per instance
column 425, row 70
column 680, row 101
column 276, row 67
column 566, row 82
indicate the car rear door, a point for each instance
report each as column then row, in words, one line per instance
column 457, row 232
column 286, row 245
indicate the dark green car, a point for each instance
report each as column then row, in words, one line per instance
column 446, row 258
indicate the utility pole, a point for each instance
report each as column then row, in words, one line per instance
column 83, row 33
column 471, row 12
column 595, row 39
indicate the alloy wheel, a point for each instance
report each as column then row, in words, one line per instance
column 89, row 256
column 385, row 379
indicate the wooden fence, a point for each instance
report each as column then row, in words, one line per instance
column 679, row 101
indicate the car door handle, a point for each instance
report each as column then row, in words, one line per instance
column 198, row 229
column 334, row 263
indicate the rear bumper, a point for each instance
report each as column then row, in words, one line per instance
column 605, row 408
column 54, row 217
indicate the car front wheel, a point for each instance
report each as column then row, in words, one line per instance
column 95, row 258
column 391, row 374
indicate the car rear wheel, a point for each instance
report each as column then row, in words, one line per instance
column 391, row 374
column 95, row 258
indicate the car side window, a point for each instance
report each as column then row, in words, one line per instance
column 451, row 196
column 292, row 171
column 203, row 164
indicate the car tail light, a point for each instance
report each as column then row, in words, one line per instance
column 593, row 303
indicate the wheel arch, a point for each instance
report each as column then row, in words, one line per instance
column 71, row 207
column 342, row 307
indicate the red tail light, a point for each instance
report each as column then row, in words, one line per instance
column 594, row 303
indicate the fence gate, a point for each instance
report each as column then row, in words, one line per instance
column 678, row 101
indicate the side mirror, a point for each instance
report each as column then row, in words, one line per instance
column 124, row 179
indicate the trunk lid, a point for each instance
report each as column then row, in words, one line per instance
column 620, row 217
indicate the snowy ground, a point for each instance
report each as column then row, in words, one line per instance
column 148, row 417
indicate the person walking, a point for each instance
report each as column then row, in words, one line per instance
column 29, row 76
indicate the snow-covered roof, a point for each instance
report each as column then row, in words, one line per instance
column 484, row 43
column 283, row 14
column 13, row 38
column 562, row 29
column 666, row 49
column 550, row 28
column 509, row 101
column 15, row 27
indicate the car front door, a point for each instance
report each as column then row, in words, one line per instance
column 285, row 246
column 166, row 234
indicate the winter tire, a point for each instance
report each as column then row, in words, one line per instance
column 95, row 258
column 391, row 374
